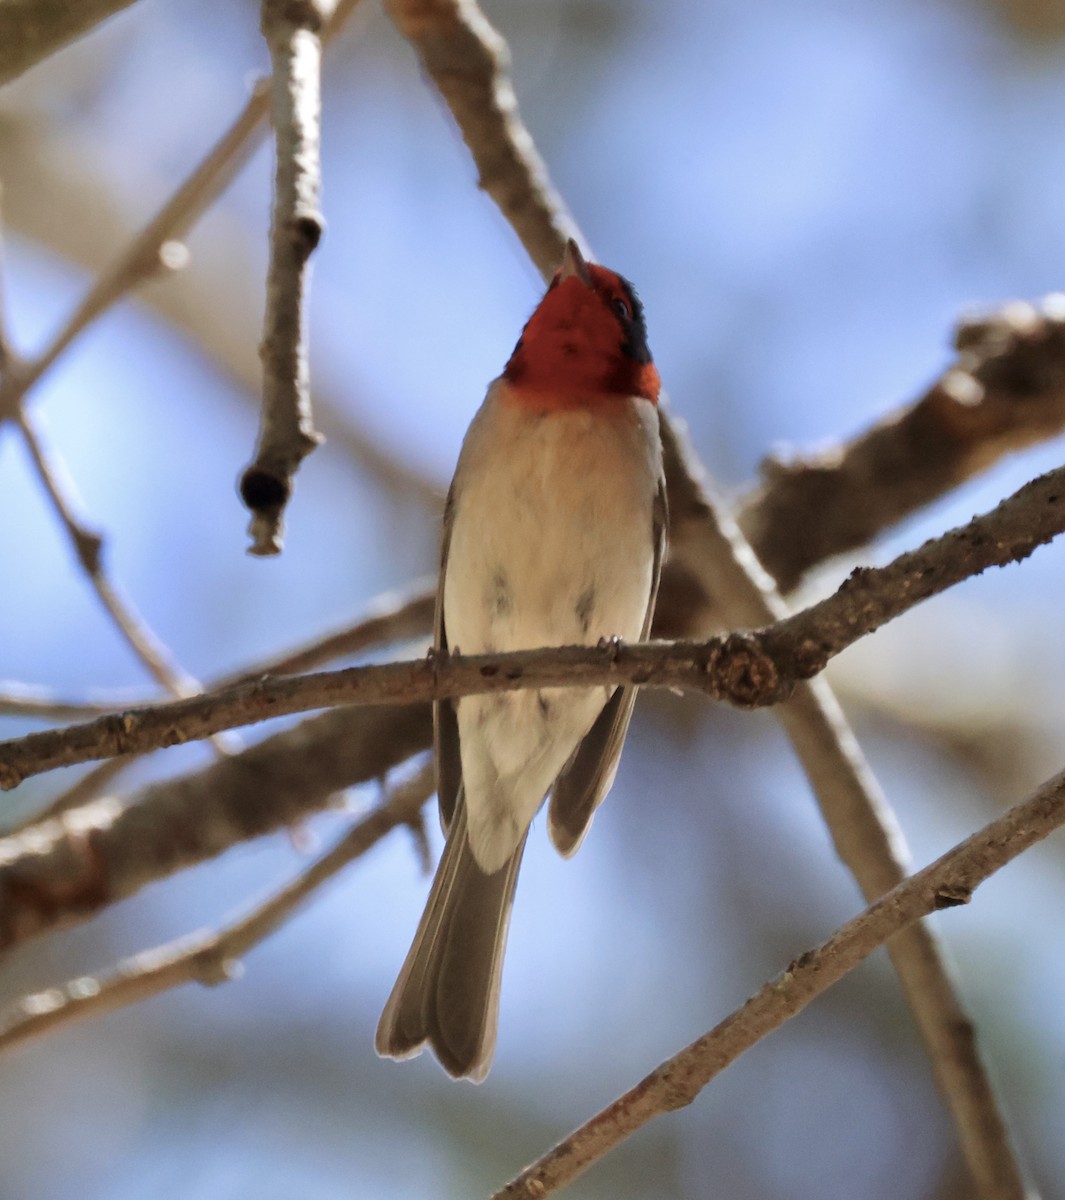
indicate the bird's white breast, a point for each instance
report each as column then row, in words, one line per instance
column 551, row 544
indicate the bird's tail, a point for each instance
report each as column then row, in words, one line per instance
column 447, row 993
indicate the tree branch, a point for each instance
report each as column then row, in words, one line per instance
column 33, row 29
column 748, row 670
column 66, row 869
column 24, row 700
column 88, row 546
column 948, row 882
column 206, row 957
column 286, row 432
column 1005, row 392
column 469, row 63
column 156, row 248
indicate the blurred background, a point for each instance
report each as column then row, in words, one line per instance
column 806, row 197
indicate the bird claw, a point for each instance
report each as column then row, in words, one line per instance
column 611, row 646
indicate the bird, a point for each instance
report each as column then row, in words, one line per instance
column 554, row 532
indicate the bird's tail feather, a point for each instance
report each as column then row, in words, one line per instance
column 447, row 994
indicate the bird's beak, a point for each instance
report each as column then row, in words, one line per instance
column 573, row 264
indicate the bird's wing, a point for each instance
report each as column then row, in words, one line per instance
column 445, row 719
column 587, row 776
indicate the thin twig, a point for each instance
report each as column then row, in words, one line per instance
column 393, row 617
column 208, row 957
column 157, row 247
column 24, row 700
column 946, row 883
column 712, row 553
column 67, row 869
column 88, row 548
column 469, row 62
column 286, row 431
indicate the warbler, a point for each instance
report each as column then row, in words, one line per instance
column 554, row 532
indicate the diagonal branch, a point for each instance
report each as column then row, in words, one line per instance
column 469, row 62
column 30, row 30
column 156, row 246
column 88, row 549
column 68, row 868
column 208, row 958
column 948, row 882
column 1004, row 392
column 392, row 617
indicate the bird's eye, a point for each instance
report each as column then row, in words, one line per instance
column 621, row 307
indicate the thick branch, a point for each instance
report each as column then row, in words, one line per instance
column 206, row 957
column 745, row 669
column 1005, row 392
column 286, row 433
column 68, row 868
column 946, row 883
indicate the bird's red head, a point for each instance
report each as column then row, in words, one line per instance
column 585, row 342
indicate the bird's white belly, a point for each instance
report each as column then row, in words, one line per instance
column 551, row 544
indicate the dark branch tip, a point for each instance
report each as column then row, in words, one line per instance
column 264, row 491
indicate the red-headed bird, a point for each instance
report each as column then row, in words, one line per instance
column 554, row 533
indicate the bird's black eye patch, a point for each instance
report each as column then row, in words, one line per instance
column 629, row 312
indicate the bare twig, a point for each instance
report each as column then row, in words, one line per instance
column 286, row 432
column 391, row 618
column 1005, row 392
column 154, row 248
column 66, row 869
column 711, row 554
column 88, row 548
column 948, row 882
column 469, row 63
column 207, row 957
column 33, row 29
column 23, row 700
